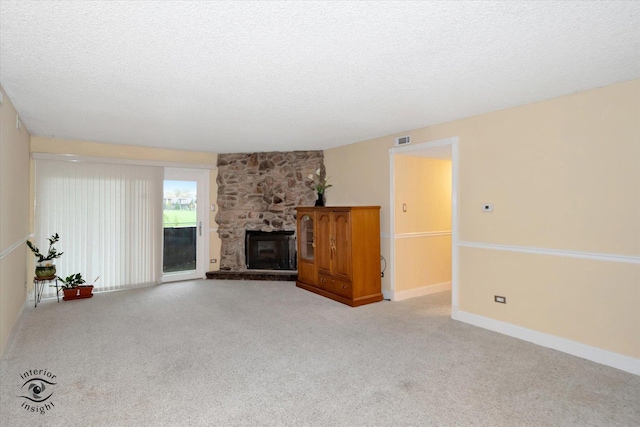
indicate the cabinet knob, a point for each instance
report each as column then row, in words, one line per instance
column 344, row 286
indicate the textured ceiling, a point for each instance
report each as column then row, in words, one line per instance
column 262, row 76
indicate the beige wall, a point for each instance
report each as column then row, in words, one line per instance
column 562, row 174
column 94, row 149
column 424, row 186
column 360, row 175
column 14, row 218
column 592, row 302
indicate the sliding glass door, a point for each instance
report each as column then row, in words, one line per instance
column 185, row 199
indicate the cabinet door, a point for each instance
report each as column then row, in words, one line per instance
column 324, row 242
column 306, row 233
column 342, row 245
column 306, row 248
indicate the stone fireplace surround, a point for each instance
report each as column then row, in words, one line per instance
column 259, row 191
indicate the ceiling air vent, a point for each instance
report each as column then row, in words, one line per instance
column 403, row 140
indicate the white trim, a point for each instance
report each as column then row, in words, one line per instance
column 423, row 234
column 454, row 312
column 629, row 259
column 419, row 292
column 455, row 257
column 15, row 246
column 206, row 218
column 385, row 235
column 598, row 355
column 392, row 225
column 119, row 161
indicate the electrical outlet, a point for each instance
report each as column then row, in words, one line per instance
column 213, row 260
column 382, row 274
column 501, row 300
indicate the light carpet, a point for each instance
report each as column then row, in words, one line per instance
column 224, row 353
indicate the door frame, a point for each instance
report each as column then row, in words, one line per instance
column 432, row 149
column 202, row 177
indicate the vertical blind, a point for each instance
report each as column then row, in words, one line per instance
column 109, row 218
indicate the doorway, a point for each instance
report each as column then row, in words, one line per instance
column 185, row 201
column 405, row 241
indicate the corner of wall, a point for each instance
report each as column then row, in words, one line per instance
column 14, row 218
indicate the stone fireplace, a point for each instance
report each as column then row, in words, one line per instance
column 259, row 192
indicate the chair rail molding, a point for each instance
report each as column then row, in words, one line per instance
column 422, row 234
column 629, row 259
column 16, row 245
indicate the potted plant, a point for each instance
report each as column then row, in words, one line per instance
column 45, row 269
column 319, row 185
column 74, row 288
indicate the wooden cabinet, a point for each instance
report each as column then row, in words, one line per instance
column 345, row 260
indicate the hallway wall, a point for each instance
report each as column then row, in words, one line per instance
column 422, row 245
column 14, row 217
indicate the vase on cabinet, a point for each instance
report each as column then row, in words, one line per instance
column 320, row 200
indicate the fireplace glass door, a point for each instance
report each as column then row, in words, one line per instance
column 274, row 250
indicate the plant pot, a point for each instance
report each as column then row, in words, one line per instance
column 78, row 292
column 320, row 201
column 44, row 272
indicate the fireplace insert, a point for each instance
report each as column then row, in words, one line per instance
column 270, row 250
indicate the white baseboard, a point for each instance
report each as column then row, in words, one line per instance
column 418, row 292
column 594, row 354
